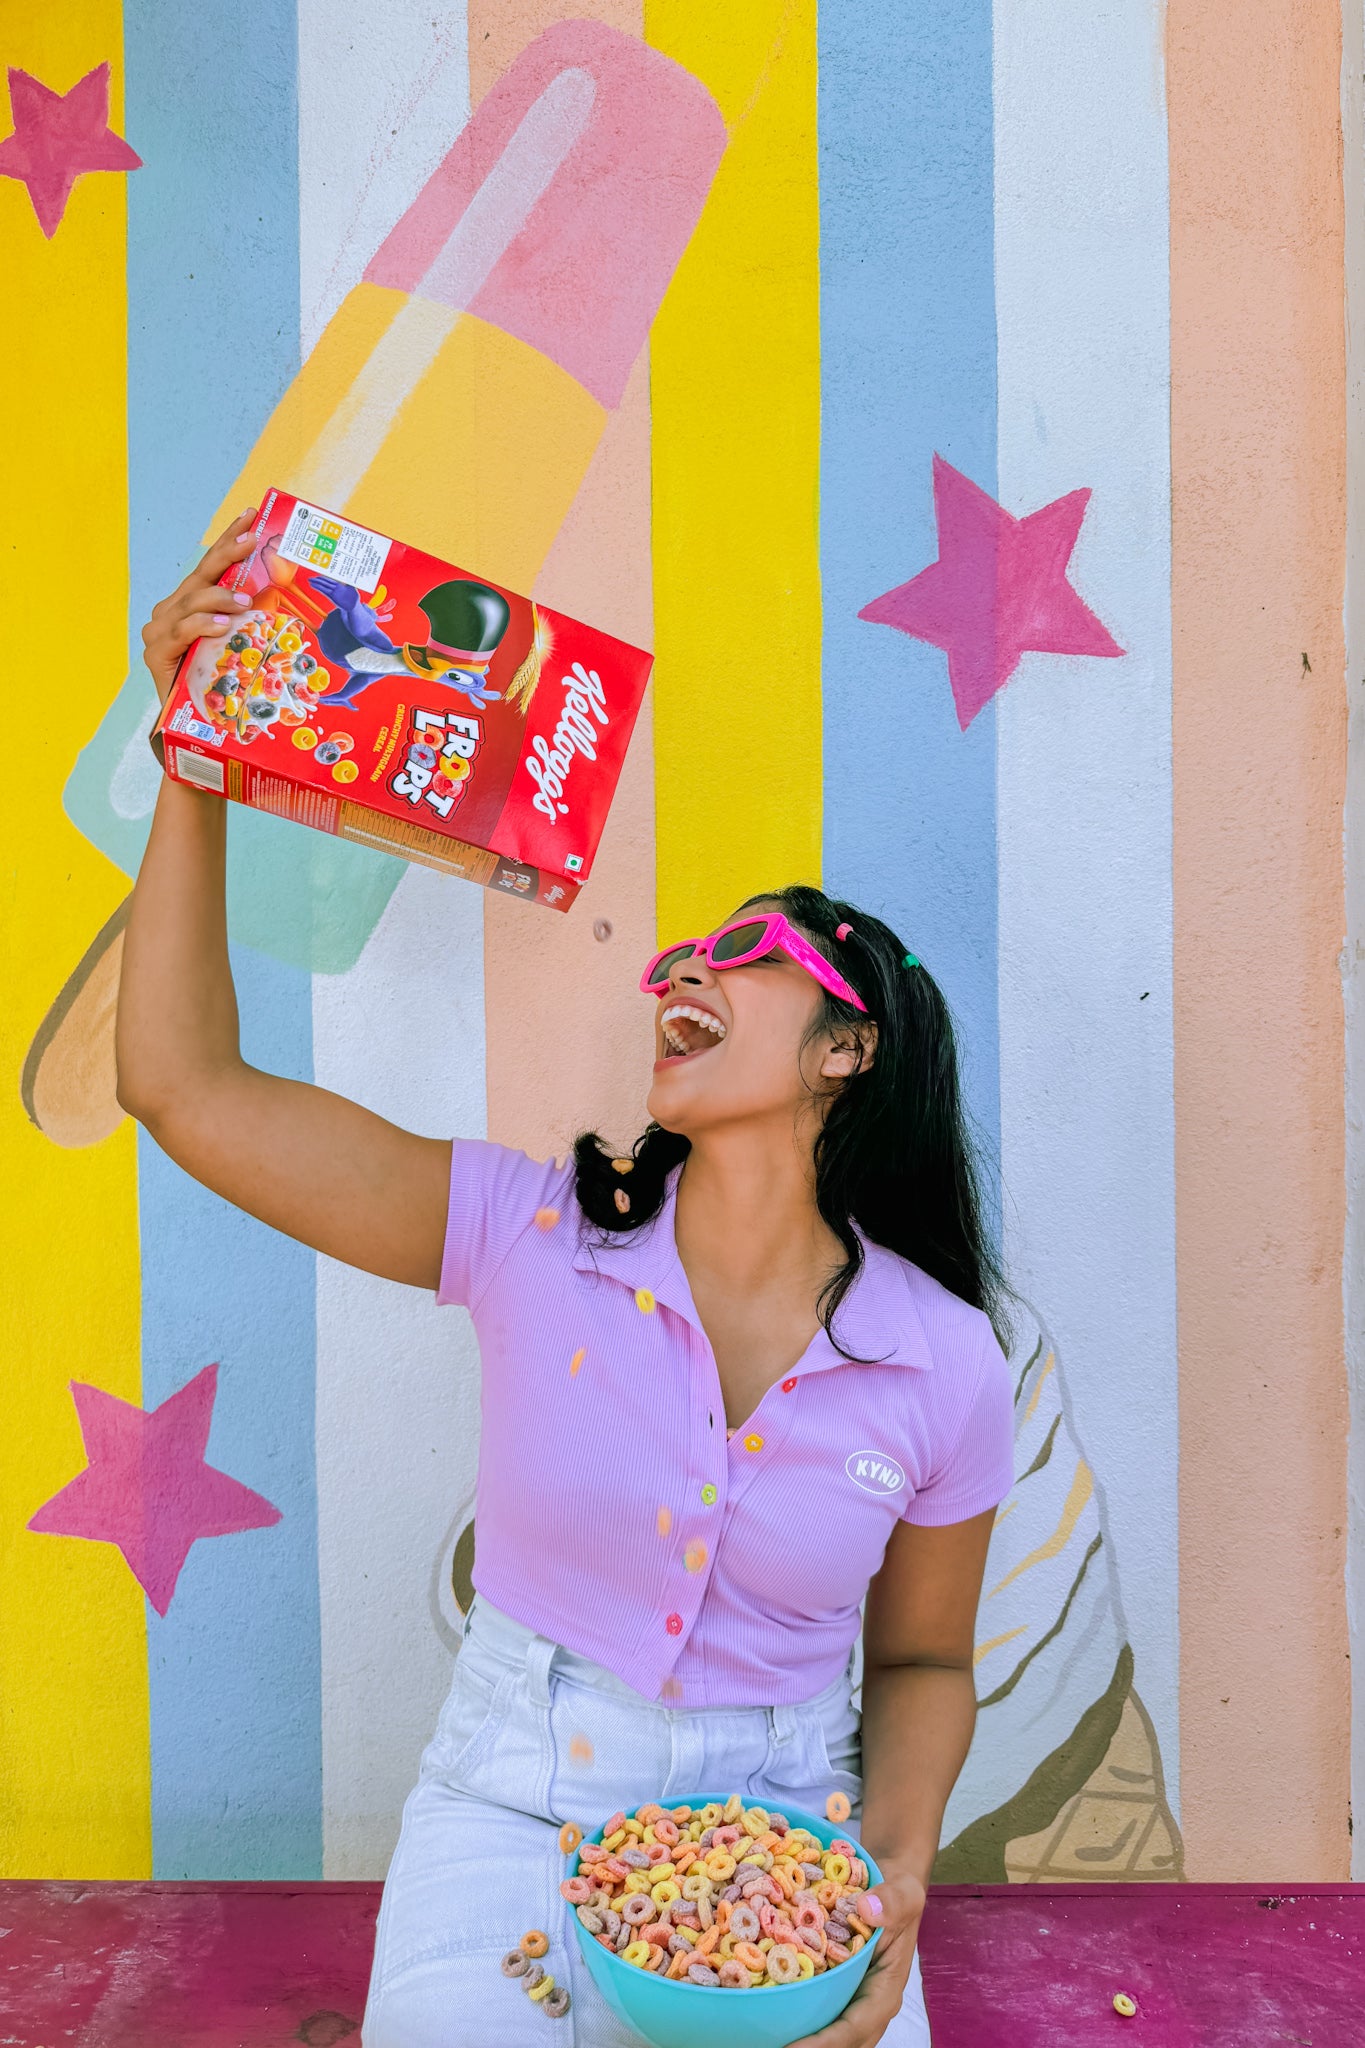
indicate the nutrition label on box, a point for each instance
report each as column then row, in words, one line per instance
column 319, row 540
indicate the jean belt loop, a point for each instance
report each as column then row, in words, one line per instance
column 784, row 1723
column 540, row 1657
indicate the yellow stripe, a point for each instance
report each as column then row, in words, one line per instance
column 1082, row 1486
column 1036, row 1395
column 74, row 1741
column 984, row 1649
column 735, row 389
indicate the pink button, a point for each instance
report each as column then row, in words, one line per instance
column 674, row 1624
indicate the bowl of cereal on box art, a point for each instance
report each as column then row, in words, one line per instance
column 712, row 1924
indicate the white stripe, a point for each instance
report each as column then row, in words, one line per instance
column 1084, row 763
column 403, row 1032
column 1353, row 136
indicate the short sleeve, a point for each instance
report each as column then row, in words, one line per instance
column 978, row 1471
column 494, row 1196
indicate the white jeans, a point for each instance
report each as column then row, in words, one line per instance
column 531, row 1736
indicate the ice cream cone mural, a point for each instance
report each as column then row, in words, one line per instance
column 1066, row 1777
column 454, row 400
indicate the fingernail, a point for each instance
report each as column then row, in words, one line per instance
column 221, row 619
column 241, row 597
column 250, row 512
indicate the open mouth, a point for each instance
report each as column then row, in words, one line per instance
column 688, row 1031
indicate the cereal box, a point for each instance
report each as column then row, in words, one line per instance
column 374, row 692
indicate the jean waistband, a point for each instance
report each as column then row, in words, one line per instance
column 491, row 1634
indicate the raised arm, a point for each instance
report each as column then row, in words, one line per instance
column 307, row 1162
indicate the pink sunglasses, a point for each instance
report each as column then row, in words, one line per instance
column 736, row 945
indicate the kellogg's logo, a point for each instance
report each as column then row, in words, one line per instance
column 549, row 762
column 874, row 1473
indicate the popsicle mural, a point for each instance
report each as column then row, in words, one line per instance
column 743, row 333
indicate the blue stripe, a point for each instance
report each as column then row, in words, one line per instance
column 907, row 286
column 235, row 1666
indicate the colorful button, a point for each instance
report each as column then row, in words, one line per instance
column 708, row 1494
column 694, row 1557
column 1124, row 2004
column 787, row 1386
column 753, row 1443
column 576, row 1361
column 674, row 1624
column 546, row 1219
column 644, row 1301
column 665, row 1520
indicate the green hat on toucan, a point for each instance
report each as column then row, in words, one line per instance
column 467, row 623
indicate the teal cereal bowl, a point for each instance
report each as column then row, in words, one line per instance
column 671, row 2015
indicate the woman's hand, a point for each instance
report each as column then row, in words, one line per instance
column 878, row 1998
column 200, row 606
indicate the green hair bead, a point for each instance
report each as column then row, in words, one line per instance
column 910, row 960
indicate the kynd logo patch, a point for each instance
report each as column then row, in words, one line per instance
column 874, row 1473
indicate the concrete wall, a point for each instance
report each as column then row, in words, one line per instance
column 1051, row 295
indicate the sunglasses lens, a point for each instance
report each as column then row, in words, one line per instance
column 666, row 962
column 740, row 941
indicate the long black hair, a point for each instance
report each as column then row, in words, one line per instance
column 895, row 1154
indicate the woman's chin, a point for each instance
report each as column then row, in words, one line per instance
column 670, row 1095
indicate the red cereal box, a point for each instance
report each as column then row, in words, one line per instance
column 375, row 692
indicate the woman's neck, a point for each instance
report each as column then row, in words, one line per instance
column 746, row 1213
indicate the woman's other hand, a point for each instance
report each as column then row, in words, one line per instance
column 198, row 606
column 878, row 1998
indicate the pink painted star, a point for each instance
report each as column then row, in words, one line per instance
column 58, row 136
column 997, row 591
column 146, row 1486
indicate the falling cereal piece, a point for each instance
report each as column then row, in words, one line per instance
column 546, row 1219
column 694, row 1557
column 576, row 1361
column 1124, row 2004
column 644, row 1301
column 557, row 2004
column 665, row 1520
column 623, row 1166
column 535, row 1943
column 671, row 1689
column 570, row 1835
column 622, row 1200
column 837, row 1808
column 580, row 1750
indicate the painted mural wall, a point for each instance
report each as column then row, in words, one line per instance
column 953, row 396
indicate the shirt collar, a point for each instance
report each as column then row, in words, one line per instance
column 877, row 1321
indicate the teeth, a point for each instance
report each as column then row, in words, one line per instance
column 709, row 1023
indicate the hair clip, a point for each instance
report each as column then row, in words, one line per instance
column 842, row 931
column 911, row 960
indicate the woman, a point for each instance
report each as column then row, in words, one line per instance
column 732, row 1384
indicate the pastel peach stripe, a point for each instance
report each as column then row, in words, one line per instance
column 567, row 1034
column 1259, row 755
